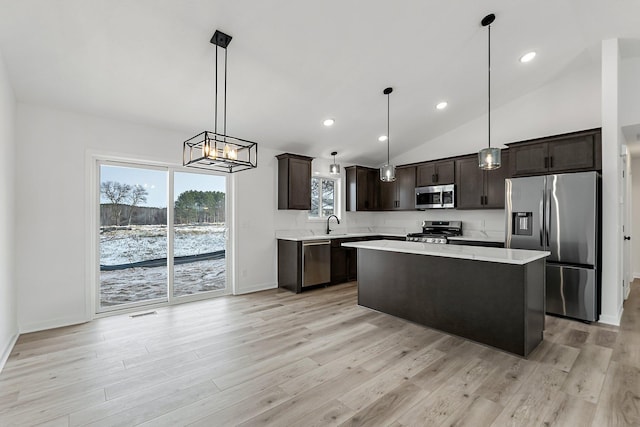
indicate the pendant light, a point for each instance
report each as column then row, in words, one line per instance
column 489, row 158
column 334, row 169
column 215, row 150
column 388, row 171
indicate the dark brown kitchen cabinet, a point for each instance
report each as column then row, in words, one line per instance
column 399, row 194
column 344, row 261
column 574, row 152
column 435, row 173
column 294, row 181
column 362, row 188
column 480, row 189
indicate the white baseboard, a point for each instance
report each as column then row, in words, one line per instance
column 611, row 320
column 7, row 351
column 256, row 288
column 51, row 324
column 636, row 276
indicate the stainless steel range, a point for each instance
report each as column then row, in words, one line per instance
column 436, row 231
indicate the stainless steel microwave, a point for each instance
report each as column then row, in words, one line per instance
column 436, row 197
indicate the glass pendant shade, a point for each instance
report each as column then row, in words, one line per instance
column 388, row 173
column 334, row 168
column 489, row 158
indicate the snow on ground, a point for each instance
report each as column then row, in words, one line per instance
column 145, row 242
column 142, row 284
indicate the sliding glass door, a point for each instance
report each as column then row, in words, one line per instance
column 151, row 252
column 199, row 244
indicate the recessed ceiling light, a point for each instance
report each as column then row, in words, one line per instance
column 328, row 122
column 442, row 105
column 382, row 138
column 527, row 57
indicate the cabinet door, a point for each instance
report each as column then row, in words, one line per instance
column 445, row 172
column 572, row 154
column 388, row 195
column 339, row 262
column 426, row 174
column 469, row 183
column 373, row 190
column 299, row 184
column 406, row 188
column 494, row 183
column 529, row 159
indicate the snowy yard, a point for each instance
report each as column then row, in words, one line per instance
column 141, row 243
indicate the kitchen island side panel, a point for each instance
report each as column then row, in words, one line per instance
column 483, row 301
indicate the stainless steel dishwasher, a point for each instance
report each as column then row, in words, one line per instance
column 316, row 262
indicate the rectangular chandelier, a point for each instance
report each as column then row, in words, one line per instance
column 219, row 151
column 213, row 151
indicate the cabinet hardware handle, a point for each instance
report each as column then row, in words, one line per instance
column 551, row 161
column 546, row 162
column 482, row 200
column 436, row 177
column 433, row 177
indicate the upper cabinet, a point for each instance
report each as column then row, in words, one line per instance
column 294, row 181
column 435, row 173
column 578, row 151
column 480, row 189
column 399, row 194
column 363, row 188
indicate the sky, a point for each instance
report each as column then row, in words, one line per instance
column 155, row 181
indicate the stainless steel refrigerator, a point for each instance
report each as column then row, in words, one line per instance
column 561, row 214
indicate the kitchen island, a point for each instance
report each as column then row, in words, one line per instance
column 493, row 296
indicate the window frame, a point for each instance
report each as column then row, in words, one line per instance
column 337, row 211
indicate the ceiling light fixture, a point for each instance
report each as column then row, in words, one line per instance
column 489, row 158
column 215, row 150
column 328, row 122
column 527, row 57
column 388, row 171
column 334, row 169
column 382, row 138
column 442, row 105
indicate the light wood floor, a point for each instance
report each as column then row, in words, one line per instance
column 276, row 358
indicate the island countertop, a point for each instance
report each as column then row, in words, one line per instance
column 476, row 253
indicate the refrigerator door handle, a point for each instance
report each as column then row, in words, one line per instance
column 548, row 217
column 541, row 216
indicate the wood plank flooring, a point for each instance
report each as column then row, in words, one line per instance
column 316, row 359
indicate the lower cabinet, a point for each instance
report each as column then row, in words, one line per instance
column 343, row 268
column 344, row 261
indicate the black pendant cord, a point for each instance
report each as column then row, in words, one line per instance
column 215, row 97
column 224, row 125
column 388, row 134
column 489, row 88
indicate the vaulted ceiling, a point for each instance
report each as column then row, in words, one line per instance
column 293, row 63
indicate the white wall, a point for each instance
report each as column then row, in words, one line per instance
column 635, row 219
column 569, row 103
column 612, row 286
column 52, row 208
column 8, row 302
column 629, row 105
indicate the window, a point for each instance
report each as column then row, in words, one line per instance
column 323, row 197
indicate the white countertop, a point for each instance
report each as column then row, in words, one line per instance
column 477, row 253
column 337, row 235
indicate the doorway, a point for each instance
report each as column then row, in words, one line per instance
column 152, row 251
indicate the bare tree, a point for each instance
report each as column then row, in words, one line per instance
column 138, row 195
column 116, row 193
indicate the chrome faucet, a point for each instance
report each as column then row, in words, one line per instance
column 328, row 229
